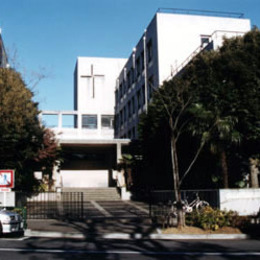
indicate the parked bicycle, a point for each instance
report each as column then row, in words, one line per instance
column 196, row 204
column 170, row 209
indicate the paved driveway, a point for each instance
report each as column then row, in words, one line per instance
column 101, row 217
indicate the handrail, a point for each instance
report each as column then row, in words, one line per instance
column 201, row 12
column 198, row 50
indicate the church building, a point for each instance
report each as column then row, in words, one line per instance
column 110, row 93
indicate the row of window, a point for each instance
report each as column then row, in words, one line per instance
column 91, row 122
column 134, row 72
column 131, row 133
column 134, row 104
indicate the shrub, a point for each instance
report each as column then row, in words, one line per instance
column 213, row 219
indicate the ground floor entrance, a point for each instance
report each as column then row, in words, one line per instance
column 89, row 164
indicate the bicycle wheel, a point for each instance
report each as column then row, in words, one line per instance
column 201, row 205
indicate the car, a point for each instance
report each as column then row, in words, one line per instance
column 10, row 222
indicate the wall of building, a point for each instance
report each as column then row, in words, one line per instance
column 165, row 46
column 84, row 178
column 95, row 80
column 243, row 201
column 180, row 35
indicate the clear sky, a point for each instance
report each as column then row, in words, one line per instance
column 47, row 36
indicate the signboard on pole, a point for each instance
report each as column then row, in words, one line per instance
column 7, row 199
column 7, row 179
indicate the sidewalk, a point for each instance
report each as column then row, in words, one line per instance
column 111, row 229
column 111, row 220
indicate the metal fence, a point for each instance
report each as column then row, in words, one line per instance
column 161, row 200
column 75, row 205
column 49, row 205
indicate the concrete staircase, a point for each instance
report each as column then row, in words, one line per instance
column 97, row 194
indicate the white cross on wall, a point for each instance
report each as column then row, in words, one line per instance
column 92, row 76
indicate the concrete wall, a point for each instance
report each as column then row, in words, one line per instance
column 84, row 178
column 95, row 82
column 180, row 35
column 244, row 201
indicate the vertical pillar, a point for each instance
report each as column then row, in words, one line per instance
column 40, row 118
column 99, row 127
column 118, row 151
column 56, row 177
column 145, row 74
column 79, row 121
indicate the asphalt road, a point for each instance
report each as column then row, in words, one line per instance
column 107, row 249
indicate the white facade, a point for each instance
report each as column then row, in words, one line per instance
column 90, row 150
column 95, row 80
column 169, row 43
column 243, row 201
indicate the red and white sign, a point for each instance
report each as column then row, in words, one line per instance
column 5, row 190
column 7, row 179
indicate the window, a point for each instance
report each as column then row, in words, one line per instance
column 133, row 132
column 128, row 79
column 142, row 55
column 204, row 40
column 120, row 90
column 138, row 66
column 89, row 121
column 129, row 134
column 129, row 108
column 124, row 87
column 139, row 99
column 150, row 87
column 149, row 50
column 121, row 118
column 124, row 114
column 116, row 94
column 133, row 105
column 132, row 75
column 116, row 123
column 107, row 121
column 143, row 94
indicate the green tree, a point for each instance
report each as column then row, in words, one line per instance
column 216, row 99
column 176, row 107
column 229, row 79
column 241, row 72
column 21, row 135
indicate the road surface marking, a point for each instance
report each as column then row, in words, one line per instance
column 101, row 209
column 127, row 252
column 138, row 207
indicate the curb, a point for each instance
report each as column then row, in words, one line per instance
column 124, row 236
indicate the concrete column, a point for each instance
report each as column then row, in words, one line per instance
column 56, row 177
column 99, row 127
column 118, row 151
column 40, row 118
column 79, row 121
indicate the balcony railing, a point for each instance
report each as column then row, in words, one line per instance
column 216, row 39
column 200, row 12
column 73, row 129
